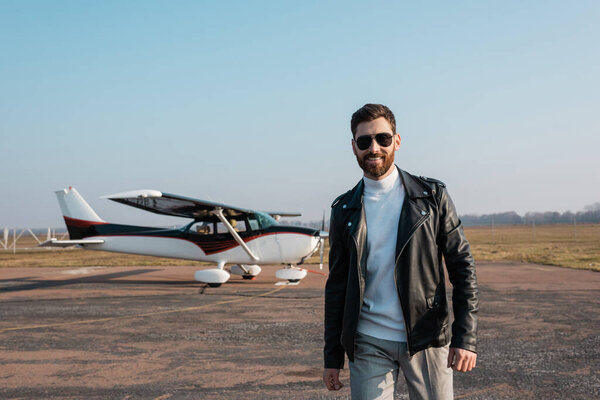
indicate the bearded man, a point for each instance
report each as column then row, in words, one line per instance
column 385, row 297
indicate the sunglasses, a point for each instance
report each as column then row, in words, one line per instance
column 382, row 139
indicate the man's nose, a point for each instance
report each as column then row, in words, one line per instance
column 374, row 147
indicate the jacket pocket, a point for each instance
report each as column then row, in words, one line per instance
column 434, row 301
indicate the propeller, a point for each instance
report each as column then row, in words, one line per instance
column 322, row 236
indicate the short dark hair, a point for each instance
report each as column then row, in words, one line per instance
column 369, row 112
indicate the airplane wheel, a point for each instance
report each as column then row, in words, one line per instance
column 213, row 277
column 248, row 277
column 291, row 274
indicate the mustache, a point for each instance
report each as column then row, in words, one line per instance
column 374, row 155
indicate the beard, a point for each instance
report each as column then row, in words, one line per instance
column 376, row 170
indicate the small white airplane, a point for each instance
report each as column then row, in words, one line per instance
column 217, row 233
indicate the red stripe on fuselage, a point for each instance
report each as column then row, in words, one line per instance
column 81, row 223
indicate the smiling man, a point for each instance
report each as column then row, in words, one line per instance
column 385, row 298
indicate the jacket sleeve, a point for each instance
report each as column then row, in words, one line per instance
column 461, row 271
column 335, row 294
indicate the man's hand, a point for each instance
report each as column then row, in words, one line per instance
column 461, row 360
column 331, row 377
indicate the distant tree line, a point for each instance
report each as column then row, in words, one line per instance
column 590, row 215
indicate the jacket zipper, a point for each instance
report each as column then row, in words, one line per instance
column 360, row 283
column 396, row 280
column 402, row 307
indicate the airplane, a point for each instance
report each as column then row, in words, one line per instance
column 217, row 233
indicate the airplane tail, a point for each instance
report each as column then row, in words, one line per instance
column 78, row 214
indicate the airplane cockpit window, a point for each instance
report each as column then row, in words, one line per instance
column 221, row 228
column 253, row 223
column 237, row 225
column 241, row 226
column 265, row 220
column 202, row 228
column 247, row 223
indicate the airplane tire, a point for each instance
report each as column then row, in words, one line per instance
column 293, row 280
column 242, row 270
column 248, row 277
column 214, row 284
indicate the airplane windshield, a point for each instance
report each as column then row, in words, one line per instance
column 264, row 220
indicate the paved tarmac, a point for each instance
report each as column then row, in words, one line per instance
column 154, row 333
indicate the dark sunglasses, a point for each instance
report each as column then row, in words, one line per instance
column 382, row 139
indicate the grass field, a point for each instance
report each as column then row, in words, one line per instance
column 561, row 245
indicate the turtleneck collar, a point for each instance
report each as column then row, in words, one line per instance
column 382, row 186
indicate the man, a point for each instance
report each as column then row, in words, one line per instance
column 385, row 298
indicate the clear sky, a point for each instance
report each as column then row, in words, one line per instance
column 249, row 102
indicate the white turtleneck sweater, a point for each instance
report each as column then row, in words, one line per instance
column 381, row 314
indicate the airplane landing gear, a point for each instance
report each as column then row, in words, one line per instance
column 246, row 271
column 291, row 274
column 214, row 276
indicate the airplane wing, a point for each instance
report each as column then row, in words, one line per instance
column 277, row 215
column 181, row 206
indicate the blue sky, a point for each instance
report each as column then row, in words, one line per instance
column 248, row 103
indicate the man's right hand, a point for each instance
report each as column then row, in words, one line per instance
column 331, row 377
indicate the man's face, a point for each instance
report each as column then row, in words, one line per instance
column 376, row 161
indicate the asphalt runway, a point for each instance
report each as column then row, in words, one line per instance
column 154, row 333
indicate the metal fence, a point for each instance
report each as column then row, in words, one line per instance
column 26, row 238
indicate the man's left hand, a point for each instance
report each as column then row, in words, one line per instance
column 461, row 360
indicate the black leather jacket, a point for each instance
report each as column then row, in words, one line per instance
column 428, row 228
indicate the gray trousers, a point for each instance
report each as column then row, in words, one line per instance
column 375, row 370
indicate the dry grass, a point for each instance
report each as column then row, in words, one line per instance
column 82, row 258
column 561, row 245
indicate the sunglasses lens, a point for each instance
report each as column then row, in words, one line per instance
column 383, row 139
column 364, row 142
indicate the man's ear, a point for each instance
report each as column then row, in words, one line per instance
column 397, row 141
column 353, row 148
